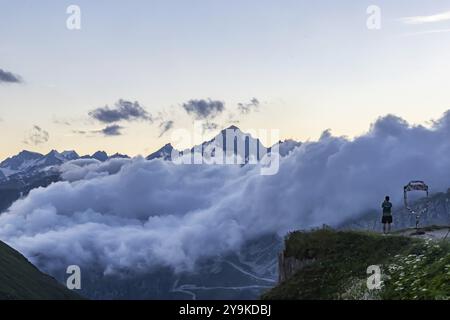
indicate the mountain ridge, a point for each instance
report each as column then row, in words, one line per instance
column 29, row 161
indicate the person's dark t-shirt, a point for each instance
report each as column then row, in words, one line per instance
column 387, row 208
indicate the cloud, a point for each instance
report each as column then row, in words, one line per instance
column 87, row 169
column 209, row 126
column 135, row 215
column 246, row 108
column 62, row 122
column 443, row 16
column 9, row 77
column 112, row 130
column 165, row 126
column 108, row 131
column 204, row 109
column 36, row 136
column 122, row 111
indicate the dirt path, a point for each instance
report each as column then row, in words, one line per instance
column 435, row 233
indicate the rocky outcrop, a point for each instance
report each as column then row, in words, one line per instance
column 288, row 266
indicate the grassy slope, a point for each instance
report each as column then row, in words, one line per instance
column 341, row 260
column 19, row 279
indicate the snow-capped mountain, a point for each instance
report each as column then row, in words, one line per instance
column 119, row 156
column 70, row 155
column 243, row 144
column 20, row 162
column 27, row 162
column 103, row 156
column 240, row 139
column 164, row 153
column 99, row 155
column 28, row 170
column 53, row 158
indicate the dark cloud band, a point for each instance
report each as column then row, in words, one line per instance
column 204, row 109
column 113, row 130
column 8, row 77
column 123, row 110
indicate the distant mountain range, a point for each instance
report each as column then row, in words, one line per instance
column 28, row 163
column 28, row 170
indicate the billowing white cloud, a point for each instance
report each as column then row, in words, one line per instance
column 137, row 214
column 86, row 169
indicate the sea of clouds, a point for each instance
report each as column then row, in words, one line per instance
column 133, row 214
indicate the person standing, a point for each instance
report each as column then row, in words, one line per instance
column 386, row 220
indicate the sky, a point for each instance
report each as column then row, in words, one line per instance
column 298, row 66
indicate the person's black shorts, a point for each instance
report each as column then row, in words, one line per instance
column 386, row 219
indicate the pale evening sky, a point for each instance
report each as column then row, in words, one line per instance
column 312, row 65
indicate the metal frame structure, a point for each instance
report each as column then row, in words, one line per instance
column 415, row 186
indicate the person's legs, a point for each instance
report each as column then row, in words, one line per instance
column 384, row 227
column 388, row 228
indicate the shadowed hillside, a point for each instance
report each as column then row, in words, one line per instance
column 19, row 279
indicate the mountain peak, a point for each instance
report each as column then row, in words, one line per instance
column 26, row 152
column 52, row 158
column 233, row 127
column 164, row 153
column 119, row 156
column 70, row 154
column 100, row 155
column 53, row 152
column 23, row 159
